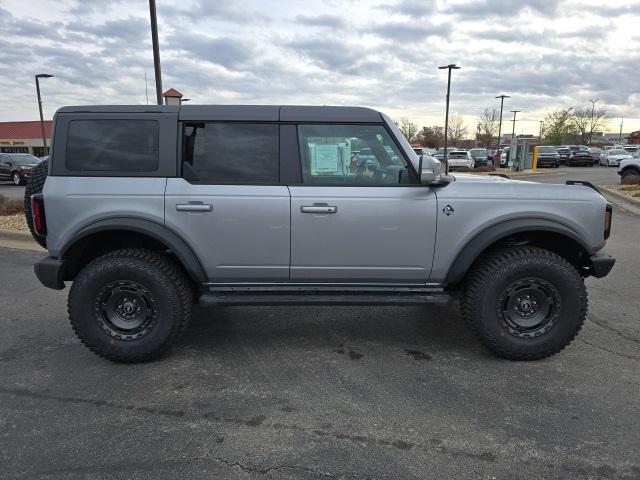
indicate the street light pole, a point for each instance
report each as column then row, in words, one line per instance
column 501, row 97
column 449, row 67
column 541, row 127
column 44, row 135
column 513, row 136
column 156, row 50
column 621, row 123
column 593, row 111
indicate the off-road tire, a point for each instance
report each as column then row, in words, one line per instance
column 630, row 172
column 170, row 295
column 489, row 278
column 35, row 184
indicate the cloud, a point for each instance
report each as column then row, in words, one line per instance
column 410, row 32
column 412, row 8
column 332, row 21
column 383, row 54
column 200, row 11
column 226, row 51
column 504, row 8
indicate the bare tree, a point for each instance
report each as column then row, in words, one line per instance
column 457, row 130
column 431, row 137
column 488, row 126
column 558, row 125
column 587, row 120
column 408, row 128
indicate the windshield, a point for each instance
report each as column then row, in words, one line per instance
column 618, row 152
column 23, row 159
column 547, row 150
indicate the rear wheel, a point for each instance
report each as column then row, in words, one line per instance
column 524, row 303
column 35, row 184
column 130, row 305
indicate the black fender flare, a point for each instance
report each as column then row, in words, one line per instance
column 157, row 231
column 482, row 240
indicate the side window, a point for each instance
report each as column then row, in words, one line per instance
column 231, row 153
column 351, row 155
column 112, row 146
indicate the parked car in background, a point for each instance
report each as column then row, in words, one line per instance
column 548, row 156
column 564, row 153
column 595, row 153
column 629, row 167
column 481, row 156
column 612, row 158
column 424, row 151
column 632, row 149
column 17, row 167
column 460, row 159
column 504, row 156
column 579, row 155
column 496, row 156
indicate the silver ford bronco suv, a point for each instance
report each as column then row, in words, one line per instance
column 148, row 209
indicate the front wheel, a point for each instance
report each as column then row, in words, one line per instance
column 630, row 172
column 130, row 305
column 524, row 303
column 16, row 179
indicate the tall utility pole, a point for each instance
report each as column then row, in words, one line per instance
column 156, row 49
column 44, row 135
column 449, row 67
column 541, row 128
column 513, row 149
column 501, row 97
column 593, row 111
column 621, row 123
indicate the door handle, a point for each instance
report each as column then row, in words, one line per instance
column 194, row 207
column 318, row 208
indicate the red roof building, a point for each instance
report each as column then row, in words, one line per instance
column 24, row 137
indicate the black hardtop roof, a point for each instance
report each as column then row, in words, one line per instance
column 252, row 113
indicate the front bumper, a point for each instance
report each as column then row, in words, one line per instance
column 601, row 264
column 50, row 272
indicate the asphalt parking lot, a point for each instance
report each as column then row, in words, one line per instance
column 318, row 392
column 9, row 190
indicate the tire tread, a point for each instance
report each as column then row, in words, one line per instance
column 174, row 277
column 496, row 263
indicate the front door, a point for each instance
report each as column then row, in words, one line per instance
column 229, row 205
column 360, row 215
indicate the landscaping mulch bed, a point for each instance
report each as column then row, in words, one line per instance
column 13, row 222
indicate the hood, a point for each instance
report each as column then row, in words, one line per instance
column 493, row 186
column 621, row 156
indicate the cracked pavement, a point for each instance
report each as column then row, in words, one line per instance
column 321, row 393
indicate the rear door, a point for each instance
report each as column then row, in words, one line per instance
column 228, row 203
column 359, row 220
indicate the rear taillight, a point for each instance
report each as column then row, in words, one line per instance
column 607, row 220
column 37, row 215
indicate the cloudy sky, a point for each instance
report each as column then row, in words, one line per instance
column 384, row 54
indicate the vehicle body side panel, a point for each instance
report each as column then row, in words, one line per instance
column 377, row 234
column 73, row 203
column 245, row 235
column 478, row 205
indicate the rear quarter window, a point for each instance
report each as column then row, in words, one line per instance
column 112, row 146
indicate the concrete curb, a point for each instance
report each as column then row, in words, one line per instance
column 19, row 240
column 621, row 200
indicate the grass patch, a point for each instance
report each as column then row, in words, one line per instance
column 636, row 194
column 630, row 188
column 10, row 206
